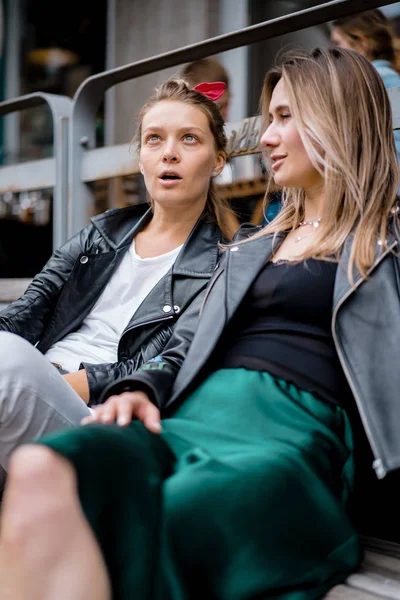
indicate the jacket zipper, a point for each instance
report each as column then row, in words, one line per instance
column 378, row 463
column 160, row 320
column 209, row 290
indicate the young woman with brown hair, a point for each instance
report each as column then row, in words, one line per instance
column 108, row 300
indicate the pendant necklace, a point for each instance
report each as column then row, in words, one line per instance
column 315, row 223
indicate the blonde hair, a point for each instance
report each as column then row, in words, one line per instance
column 343, row 116
column 373, row 26
column 217, row 207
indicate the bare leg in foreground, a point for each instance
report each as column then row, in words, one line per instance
column 47, row 549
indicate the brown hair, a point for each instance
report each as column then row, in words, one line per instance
column 177, row 90
column 374, row 27
column 205, row 69
column 343, row 115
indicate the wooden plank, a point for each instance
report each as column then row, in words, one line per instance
column 385, row 566
column 378, row 577
column 343, row 592
column 380, row 586
column 243, row 188
column 381, row 546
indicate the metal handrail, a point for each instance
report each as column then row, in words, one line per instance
column 72, row 195
column 90, row 93
column 60, row 107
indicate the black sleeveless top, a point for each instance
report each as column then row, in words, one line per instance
column 284, row 327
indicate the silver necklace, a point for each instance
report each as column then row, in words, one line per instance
column 315, row 223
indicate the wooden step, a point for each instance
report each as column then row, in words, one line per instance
column 377, row 578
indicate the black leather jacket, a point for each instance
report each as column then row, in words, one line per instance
column 365, row 328
column 64, row 292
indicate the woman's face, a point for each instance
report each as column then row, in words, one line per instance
column 338, row 38
column 290, row 163
column 177, row 156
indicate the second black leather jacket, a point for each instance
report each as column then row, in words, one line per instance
column 64, row 292
column 365, row 328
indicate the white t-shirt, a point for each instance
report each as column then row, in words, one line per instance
column 96, row 341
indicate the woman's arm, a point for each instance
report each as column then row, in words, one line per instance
column 79, row 382
column 142, row 395
column 156, row 376
column 29, row 315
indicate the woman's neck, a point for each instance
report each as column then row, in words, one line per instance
column 314, row 203
column 168, row 228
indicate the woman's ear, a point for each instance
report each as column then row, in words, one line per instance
column 141, row 169
column 219, row 163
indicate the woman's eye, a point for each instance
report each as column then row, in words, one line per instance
column 153, row 137
column 285, row 116
column 189, row 138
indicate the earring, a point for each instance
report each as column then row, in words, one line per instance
column 214, row 173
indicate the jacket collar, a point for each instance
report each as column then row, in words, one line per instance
column 118, row 226
column 197, row 259
column 192, row 261
column 343, row 287
column 247, row 259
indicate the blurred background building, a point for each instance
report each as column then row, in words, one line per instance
column 54, row 46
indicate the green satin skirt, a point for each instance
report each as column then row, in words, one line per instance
column 242, row 497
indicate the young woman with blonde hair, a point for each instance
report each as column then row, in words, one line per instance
column 244, row 492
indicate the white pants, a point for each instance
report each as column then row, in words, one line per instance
column 34, row 398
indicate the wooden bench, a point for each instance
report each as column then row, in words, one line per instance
column 377, row 578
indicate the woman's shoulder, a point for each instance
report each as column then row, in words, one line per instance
column 389, row 75
column 245, row 231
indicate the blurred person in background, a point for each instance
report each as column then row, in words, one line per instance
column 370, row 34
column 209, row 69
column 108, row 300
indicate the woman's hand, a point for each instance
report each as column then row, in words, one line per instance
column 125, row 407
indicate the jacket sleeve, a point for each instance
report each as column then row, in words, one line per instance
column 157, row 376
column 102, row 374
column 29, row 315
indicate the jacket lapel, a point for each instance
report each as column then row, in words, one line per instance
column 343, row 288
column 239, row 267
column 243, row 263
column 119, row 226
column 197, row 259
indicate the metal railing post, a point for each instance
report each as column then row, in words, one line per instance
column 60, row 107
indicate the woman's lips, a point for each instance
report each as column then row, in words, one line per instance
column 277, row 163
column 169, row 183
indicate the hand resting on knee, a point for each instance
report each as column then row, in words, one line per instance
column 122, row 409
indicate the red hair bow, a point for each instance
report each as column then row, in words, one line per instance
column 213, row 91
